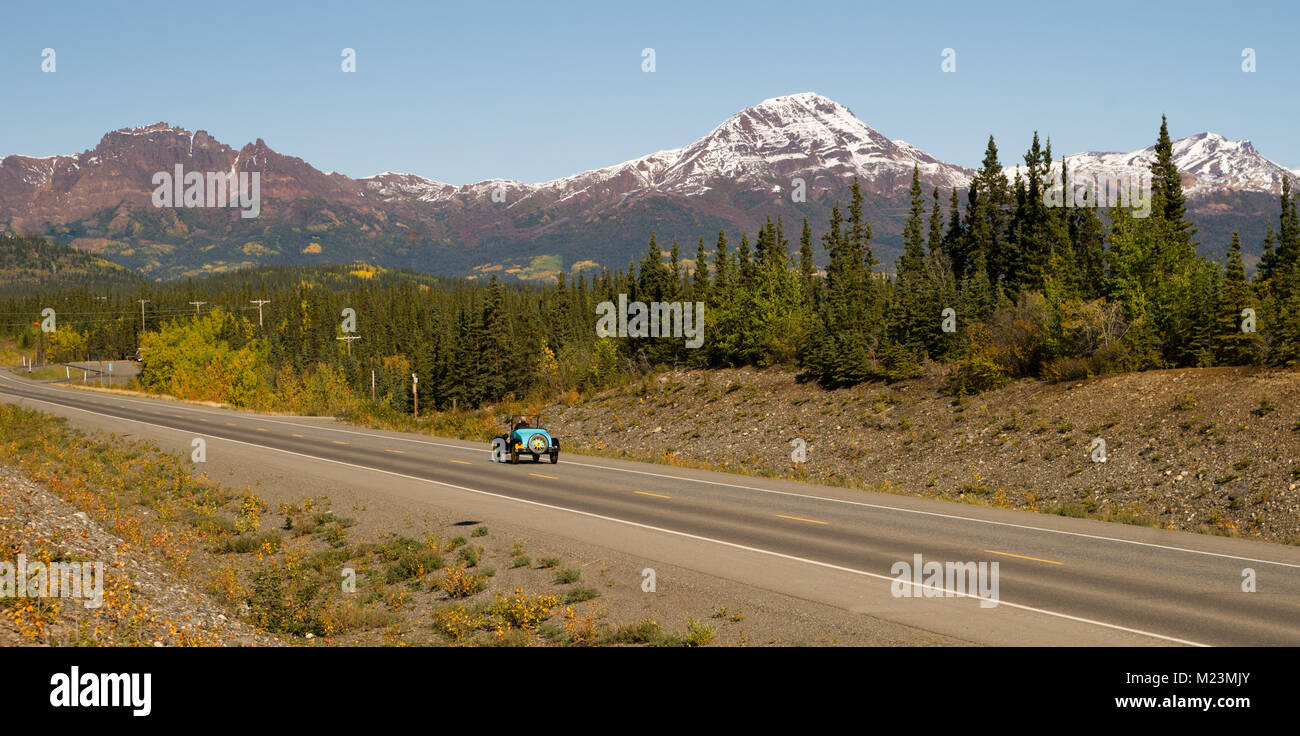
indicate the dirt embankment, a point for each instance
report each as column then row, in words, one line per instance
column 131, row 599
column 1215, row 450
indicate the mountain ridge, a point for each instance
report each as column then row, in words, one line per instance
column 745, row 169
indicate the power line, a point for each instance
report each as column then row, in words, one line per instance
column 157, row 310
column 259, row 303
column 349, row 340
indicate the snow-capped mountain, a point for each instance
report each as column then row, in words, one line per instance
column 733, row 178
column 1208, row 162
column 761, row 148
column 802, row 135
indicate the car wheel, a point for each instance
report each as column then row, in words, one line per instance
column 535, row 458
column 514, row 457
column 555, row 458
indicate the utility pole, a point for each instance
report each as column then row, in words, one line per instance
column 349, row 340
column 372, row 384
column 196, row 307
column 259, row 303
column 415, row 391
column 142, row 301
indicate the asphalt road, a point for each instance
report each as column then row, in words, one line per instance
column 1060, row 580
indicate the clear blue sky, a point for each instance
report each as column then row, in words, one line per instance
column 466, row 91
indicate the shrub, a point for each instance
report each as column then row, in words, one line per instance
column 521, row 611
column 458, row 582
column 245, row 543
column 698, row 634
column 471, row 555
column 580, row 594
column 457, row 622
column 976, row 374
column 646, row 631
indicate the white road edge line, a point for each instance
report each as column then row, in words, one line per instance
column 674, row 532
column 863, row 504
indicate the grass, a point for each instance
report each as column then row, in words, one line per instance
column 10, row 354
column 44, row 373
column 580, row 594
column 471, row 555
column 566, row 576
column 408, row 560
column 646, row 631
column 247, row 543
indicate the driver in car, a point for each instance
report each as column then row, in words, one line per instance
column 523, row 423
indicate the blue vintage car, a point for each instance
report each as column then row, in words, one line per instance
column 525, row 439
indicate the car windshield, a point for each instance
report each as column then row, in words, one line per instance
column 527, row 422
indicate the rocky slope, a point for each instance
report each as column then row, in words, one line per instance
column 1214, row 450
column 143, row 603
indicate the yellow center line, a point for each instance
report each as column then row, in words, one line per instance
column 656, row 495
column 259, row 429
column 539, row 475
column 462, row 462
column 399, row 452
column 228, row 424
column 1035, row 559
column 796, row 518
column 201, row 419
column 298, row 436
column 339, row 442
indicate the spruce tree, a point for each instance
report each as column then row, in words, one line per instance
column 988, row 216
column 936, row 226
column 700, row 279
column 722, row 277
column 1233, row 346
column 806, row 267
column 915, row 317
column 1167, row 196
column 954, row 238
column 1268, row 256
column 1288, row 242
column 857, row 234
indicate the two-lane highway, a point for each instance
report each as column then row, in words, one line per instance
column 1060, row 580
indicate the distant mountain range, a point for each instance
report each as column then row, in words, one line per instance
column 744, row 170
